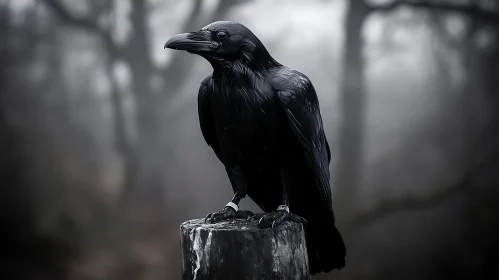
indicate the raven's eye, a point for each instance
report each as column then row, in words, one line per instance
column 221, row 35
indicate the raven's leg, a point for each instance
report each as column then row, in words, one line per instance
column 231, row 210
column 282, row 213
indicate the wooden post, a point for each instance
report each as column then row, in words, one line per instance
column 238, row 249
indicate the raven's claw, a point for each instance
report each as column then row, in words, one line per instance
column 226, row 214
column 208, row 217
column 275, row 218
column 244, row 214
column 256, row 216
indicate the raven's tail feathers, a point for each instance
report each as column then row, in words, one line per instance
column 326, row 249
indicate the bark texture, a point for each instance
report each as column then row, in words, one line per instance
column 238, row 249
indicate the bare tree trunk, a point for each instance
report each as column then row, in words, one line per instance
column 353, row 108
column 123, row 143
column 478, row 109
column 145, row 168
column 353, row 94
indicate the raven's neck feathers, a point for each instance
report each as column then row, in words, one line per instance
column 253, row 57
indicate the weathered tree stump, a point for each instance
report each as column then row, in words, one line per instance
column 238, row 249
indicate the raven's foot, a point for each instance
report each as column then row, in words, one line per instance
column 282, row 214
column 256, row 217
column 226, row 214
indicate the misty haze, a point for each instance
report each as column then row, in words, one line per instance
column 102, row 157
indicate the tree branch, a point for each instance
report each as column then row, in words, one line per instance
column 389, row 207
column 471, row 9
column 85, row 23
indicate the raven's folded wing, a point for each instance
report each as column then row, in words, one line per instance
column 301, row 106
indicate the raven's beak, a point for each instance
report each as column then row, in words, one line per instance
column 192, row 42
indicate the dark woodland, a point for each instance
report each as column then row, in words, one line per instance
column 102, row 158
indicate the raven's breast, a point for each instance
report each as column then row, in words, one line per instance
column 248, row 125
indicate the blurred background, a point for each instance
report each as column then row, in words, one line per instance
column 102, row 158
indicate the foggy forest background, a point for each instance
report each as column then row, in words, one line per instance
column 102, row 158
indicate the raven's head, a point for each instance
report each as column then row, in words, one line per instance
column 221, row 42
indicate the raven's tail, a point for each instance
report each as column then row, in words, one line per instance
column 326, row 249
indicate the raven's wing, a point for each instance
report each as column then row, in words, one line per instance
column 328, row 151
column 300, row 105
column 299, row 101
column 205, row 116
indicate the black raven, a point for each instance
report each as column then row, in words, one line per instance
column 263, row 121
